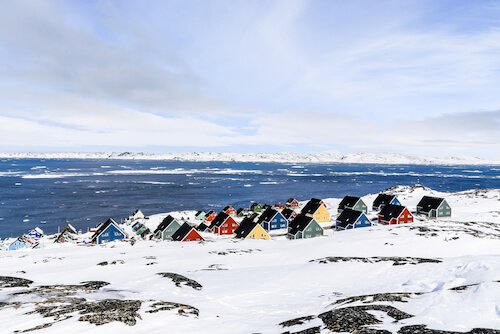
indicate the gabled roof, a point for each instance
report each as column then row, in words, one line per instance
column 255, row 204
column 199, row 213
column 103, row 227
column 165, row 223
column 428, row 203
column 390, row 211
column 247, row 220
column 267, row 215
column 299, row 223
column 383, row 199
column 348, row 201
column 219, row 219
column 227, row 207
column 287, row 213
column 347, row 217
column 181, row 232
column 312, row 206
column 291, row 199
column 202, row 227
column 246, row 226
column 209, row 213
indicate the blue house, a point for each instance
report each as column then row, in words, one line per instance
column 35, row 233
column 384, row 199
column 21, row 243
column 349, row 219
column 107, row 232
column 272, row 219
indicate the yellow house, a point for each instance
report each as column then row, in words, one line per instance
column 249, row 229
column 316, row 209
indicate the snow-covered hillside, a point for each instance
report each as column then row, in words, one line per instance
column 439, row 275
column 328, row 157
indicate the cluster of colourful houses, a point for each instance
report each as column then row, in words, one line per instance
column 258, row 221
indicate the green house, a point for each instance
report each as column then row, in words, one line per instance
column 167, row 228
column 304, row 227
column 256, row 207
column 353, row 203
column 199, row 215
column 433, row 207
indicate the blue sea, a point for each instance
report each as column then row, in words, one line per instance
column 51, row 193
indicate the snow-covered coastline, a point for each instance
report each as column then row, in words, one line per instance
column 413, row 278
column 326, row 157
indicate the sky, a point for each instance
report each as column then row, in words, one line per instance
column 413, row 77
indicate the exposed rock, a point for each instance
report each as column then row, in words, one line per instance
column 397, row 261
column 463, row 287
column 422, row 329
column 34, row 328
column 297, row 321
column 182, row 309
column 354, row 318
column 105, row 311
column 182, row 280
column 235, row 251
column 65, row 290
column 14, row 282
column 379, row 297
column 312, row 330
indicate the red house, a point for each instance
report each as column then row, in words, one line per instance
column 209, row 216
column 292, row 203
column 186, row 233
column 395, row 214
column 229, row 210
column 223, row 224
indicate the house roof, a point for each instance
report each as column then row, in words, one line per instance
column 209, row 213
column 182, row 232
column 255, row 204
column 246, row 226
column 299, row 223
column 145, row 232
column 103, row 227
column 390, row 211
column 202, row 227
column 164, row 224
column 227, row 207
column 383, row 199
column 312, row 206
column 427, row 203
column 267, row 215
column 199, row 213
column 347, row 217
column 348, row 201
column 291, row 199
column 247, row 220
column 219, row 219
column 287, row 213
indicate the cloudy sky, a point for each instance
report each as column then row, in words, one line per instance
column 417, row 77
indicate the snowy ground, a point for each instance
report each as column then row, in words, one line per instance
column 444, row 274
column 287, row 157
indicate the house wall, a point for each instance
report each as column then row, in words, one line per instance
column 193, row 236
column 258, row 232
column 111, row 233
column 313, row 230
column 227, row 227
column 322, row 215
column 167, row 233
column 405, row 217
column 444, row 210
column 360, row 206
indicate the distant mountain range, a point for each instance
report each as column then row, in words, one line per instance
column 327, row 157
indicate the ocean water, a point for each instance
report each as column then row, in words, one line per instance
column 51, row 193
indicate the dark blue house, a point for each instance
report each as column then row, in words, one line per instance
column 272, row 219
column 349, row 219
column 384, row 199
column 107, row 232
